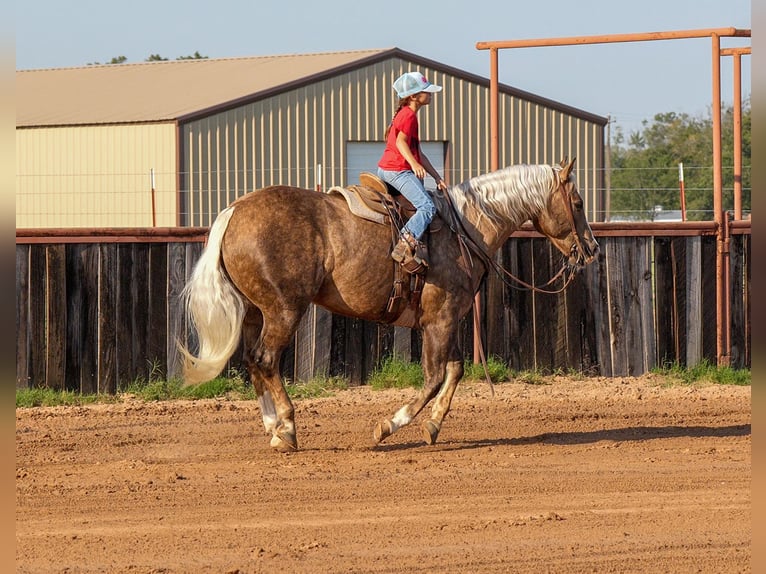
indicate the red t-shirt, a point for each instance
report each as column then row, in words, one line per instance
column 405, row 121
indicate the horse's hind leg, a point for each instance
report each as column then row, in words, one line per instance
column 265, row 339
column 251, row 331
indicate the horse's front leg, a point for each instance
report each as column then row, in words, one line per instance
column 431, row 427
column 404, row 415
column 439, row 352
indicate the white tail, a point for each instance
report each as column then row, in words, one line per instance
column 214, row 308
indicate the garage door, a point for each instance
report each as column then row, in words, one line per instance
column 364, row 156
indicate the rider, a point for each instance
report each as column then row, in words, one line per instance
column 404, row 165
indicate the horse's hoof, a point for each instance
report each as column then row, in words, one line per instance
column 430, row 431
column 284, row 442
column 382, row 431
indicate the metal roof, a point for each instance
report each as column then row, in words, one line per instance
column 160, row 91
column 185, row 89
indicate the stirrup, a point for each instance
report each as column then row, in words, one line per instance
column 410, row 254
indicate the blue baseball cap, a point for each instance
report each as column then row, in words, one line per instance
column 413, row 83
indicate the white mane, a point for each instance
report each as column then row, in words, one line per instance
column 511, row 195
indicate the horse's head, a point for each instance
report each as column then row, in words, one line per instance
column 563, row 220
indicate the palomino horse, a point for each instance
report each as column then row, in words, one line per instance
column 272, row 253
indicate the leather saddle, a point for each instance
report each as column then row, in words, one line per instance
column 376, row 201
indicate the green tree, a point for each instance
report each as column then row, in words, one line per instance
column 194, row 56
column 645, row 169
column 151, row 58
column 115, row 60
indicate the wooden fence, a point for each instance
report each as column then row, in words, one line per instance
column 96, row 309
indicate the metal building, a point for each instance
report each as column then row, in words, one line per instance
column 172, row 143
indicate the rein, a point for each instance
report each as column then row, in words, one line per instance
column 466, row 243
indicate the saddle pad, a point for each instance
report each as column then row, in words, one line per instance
column 357, row 206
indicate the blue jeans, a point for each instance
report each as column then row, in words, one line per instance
column 413, row 189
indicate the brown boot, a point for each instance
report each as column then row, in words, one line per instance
column 410, row 253
column 403, row 250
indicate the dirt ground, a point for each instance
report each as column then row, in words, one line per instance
column 594, row 475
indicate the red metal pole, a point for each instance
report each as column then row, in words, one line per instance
column 737, row 136
column 737, row 53
column 718, row 215
column 494, row 164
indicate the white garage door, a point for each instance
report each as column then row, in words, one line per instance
column 364, row 156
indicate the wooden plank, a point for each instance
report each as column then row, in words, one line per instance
column 124, row 315
column 603, row 316
column 369, row 349
column 156, row 336
column 591, row 317
column 323, row 341
column 638, row 304
column 89, row 266
column 616, row 279
column 496, row 323
column 665, row 301
column 56, row 318
column 354, row 351
column 176, row 324
column 526, row 309
column 647, row 309
column 402, row 346
column 305, row 340
column 338, row 346
column 545, row 324
column 193, row 253
column 693, row 322
column 75, row 315
column 138, row 295
column 680, row 250
column 107, row 319
column 737, row 300
column 576, row 328
column 511, row 298
column 708, row 330
column 23, row 372
column 38, row 347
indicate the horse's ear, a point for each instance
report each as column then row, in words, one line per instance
column 566, row 169
column 564, row 161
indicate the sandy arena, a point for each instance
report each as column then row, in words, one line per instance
column 593, row 475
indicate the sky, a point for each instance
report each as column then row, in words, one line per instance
column 628, row 82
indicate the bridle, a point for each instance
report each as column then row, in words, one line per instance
column 468, row 245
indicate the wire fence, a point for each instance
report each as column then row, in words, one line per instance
column 169, row 199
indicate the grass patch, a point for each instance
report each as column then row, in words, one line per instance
column 316, row 388
column 396, row 374
column 532, row 377
column 233, row 387
column 42, row 397
column 497, row 369
column 704, row 372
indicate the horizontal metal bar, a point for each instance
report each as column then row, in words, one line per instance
column 614, row 38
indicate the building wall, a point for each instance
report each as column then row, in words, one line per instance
column 99, row 176
column 96, row 176
column 286, row 138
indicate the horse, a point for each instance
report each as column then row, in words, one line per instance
column 274, row 251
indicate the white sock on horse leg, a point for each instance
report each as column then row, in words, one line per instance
column 268, row 411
